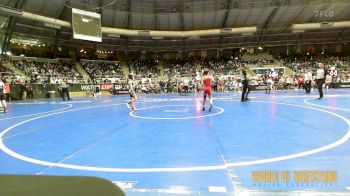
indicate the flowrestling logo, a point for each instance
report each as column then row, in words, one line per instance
column 324, row 13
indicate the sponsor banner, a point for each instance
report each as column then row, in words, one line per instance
column 257, row 87
column 113, row 88
column 344, row 85
column 120, row 87
column 41, row 90
column 102, row 87
column 87, row 87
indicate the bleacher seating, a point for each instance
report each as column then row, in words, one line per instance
column 103, row 71
column 49, row 72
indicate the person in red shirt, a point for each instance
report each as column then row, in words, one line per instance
column 300, row 82
column 29, row 89
column 207, row 81
column 8, row 91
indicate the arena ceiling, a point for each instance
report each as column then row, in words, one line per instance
column 273, row 19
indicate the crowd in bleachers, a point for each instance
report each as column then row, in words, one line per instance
column 221, row 66
column 8, row 75
column 4, row 70
column 44, row 72
column 179, row 68
column 144, row 68
column 337, row 68
column 104, row 72
column 226, row 72
column 176, row 71
column 257, row 63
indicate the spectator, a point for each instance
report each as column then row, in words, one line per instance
column 29, row 90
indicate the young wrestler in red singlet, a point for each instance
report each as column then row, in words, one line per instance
column 207, row 79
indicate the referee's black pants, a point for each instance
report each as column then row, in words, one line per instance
column 65, row 92
column 320, row 83
column 245, row 91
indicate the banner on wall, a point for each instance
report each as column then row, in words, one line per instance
column 344, row 85
column 102, row 87
column 257, row 87
column 116, row 88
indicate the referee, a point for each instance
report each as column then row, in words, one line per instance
column 186, row 84
column 246, row 86
column 320, row 79
column 307, row 81
column 64, row 88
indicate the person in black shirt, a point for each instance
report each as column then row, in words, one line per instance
column 246, row 86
